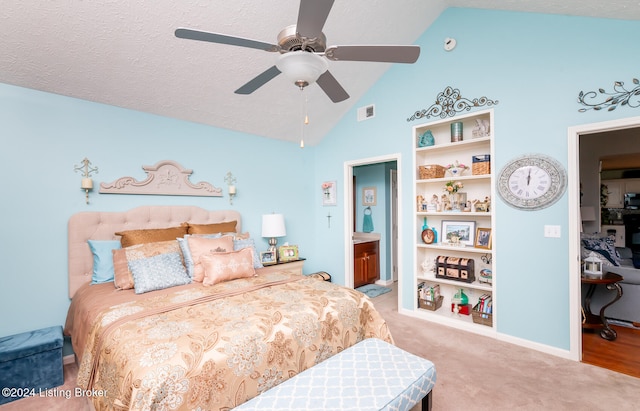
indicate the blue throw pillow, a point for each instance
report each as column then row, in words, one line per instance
column 158, row 272
column 240, row 244
column 102, row 259
column 604, row 246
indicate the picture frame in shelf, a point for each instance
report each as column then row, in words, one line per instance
column 483, row 238
column 458, row 232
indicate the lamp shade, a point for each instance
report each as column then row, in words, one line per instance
column 302, row 66
column 273, row 225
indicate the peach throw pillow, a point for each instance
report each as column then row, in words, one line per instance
column 199, row 246
column 221, row 267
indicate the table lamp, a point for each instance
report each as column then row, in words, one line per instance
column 273, row 227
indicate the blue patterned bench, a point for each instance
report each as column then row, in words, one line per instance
column 30, row 362
column 371, row 375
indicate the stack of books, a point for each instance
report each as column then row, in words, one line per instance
column 485, row 305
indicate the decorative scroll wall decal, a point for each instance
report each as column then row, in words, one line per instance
column 450, row 102
column 619, row 96
column 164, row 178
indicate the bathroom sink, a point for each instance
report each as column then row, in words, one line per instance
column 359, row 237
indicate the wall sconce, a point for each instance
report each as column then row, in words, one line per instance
column 230, row 180
column 87, row 182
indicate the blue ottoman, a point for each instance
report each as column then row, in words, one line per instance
column 30, row 361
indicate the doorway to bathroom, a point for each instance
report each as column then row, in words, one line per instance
column 373, row 204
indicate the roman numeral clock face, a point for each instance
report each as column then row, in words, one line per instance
column 532, row 182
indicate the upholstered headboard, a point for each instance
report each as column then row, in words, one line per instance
column 100, row 225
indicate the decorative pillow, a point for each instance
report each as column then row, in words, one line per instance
column 228, row 227
column 605, row 246
column 151, row 235
column 102, row 260
column 221, row 267
column 186, row 252
column 248, row 243
column 158, row 272
column 122, row 258
column 199, row 246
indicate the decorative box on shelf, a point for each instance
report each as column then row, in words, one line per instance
column 431, row 171
column 464, row 309
column 455, row 268
column 481, row 164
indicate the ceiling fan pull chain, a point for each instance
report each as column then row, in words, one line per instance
column 305, row 117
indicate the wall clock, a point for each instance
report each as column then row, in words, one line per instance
column 532, row 182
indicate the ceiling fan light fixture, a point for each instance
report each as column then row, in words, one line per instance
column 302, row 67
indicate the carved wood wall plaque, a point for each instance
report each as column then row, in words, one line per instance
column 164, row 178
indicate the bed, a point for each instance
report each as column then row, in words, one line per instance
column 193, row 346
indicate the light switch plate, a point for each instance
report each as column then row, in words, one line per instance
column 552, row 231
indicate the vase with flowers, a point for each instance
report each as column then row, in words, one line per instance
column 456, row 168
column 452, row 188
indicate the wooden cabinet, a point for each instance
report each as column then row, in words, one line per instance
column 366, row 263
column 615, row 193
column 464, row 223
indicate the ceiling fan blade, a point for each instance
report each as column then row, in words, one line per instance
column 224, row 39
column 258, row 81
column 312, row 16
column 384, row 54
column 331, row 87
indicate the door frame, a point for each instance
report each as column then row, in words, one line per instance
column 348, row 193
column 573, row 189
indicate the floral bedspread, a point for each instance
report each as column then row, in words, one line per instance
column 212, row 348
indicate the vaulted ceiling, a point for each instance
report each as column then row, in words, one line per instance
column 124, row 53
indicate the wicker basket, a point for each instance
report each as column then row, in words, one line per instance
column 431, row 171
column 430, row 305
column 482, row 318
column 481, row 165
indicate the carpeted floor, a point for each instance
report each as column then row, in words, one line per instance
column 475, row 373
column 480, row 373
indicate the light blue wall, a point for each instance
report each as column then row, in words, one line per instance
column 534, row 65
column 43, row 136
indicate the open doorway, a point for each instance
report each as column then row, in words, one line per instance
column 382, row 173
column 588, row 146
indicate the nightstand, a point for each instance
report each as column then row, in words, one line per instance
column 293, row 266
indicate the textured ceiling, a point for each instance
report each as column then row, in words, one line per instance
column 124, row 53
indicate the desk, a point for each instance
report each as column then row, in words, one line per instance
column 592, row 321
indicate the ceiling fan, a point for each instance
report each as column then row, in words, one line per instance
column 302, row 47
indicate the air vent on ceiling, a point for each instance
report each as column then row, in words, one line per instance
column 366, row 112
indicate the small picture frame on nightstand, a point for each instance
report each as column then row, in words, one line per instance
column 288, row 253
column 268, row 257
